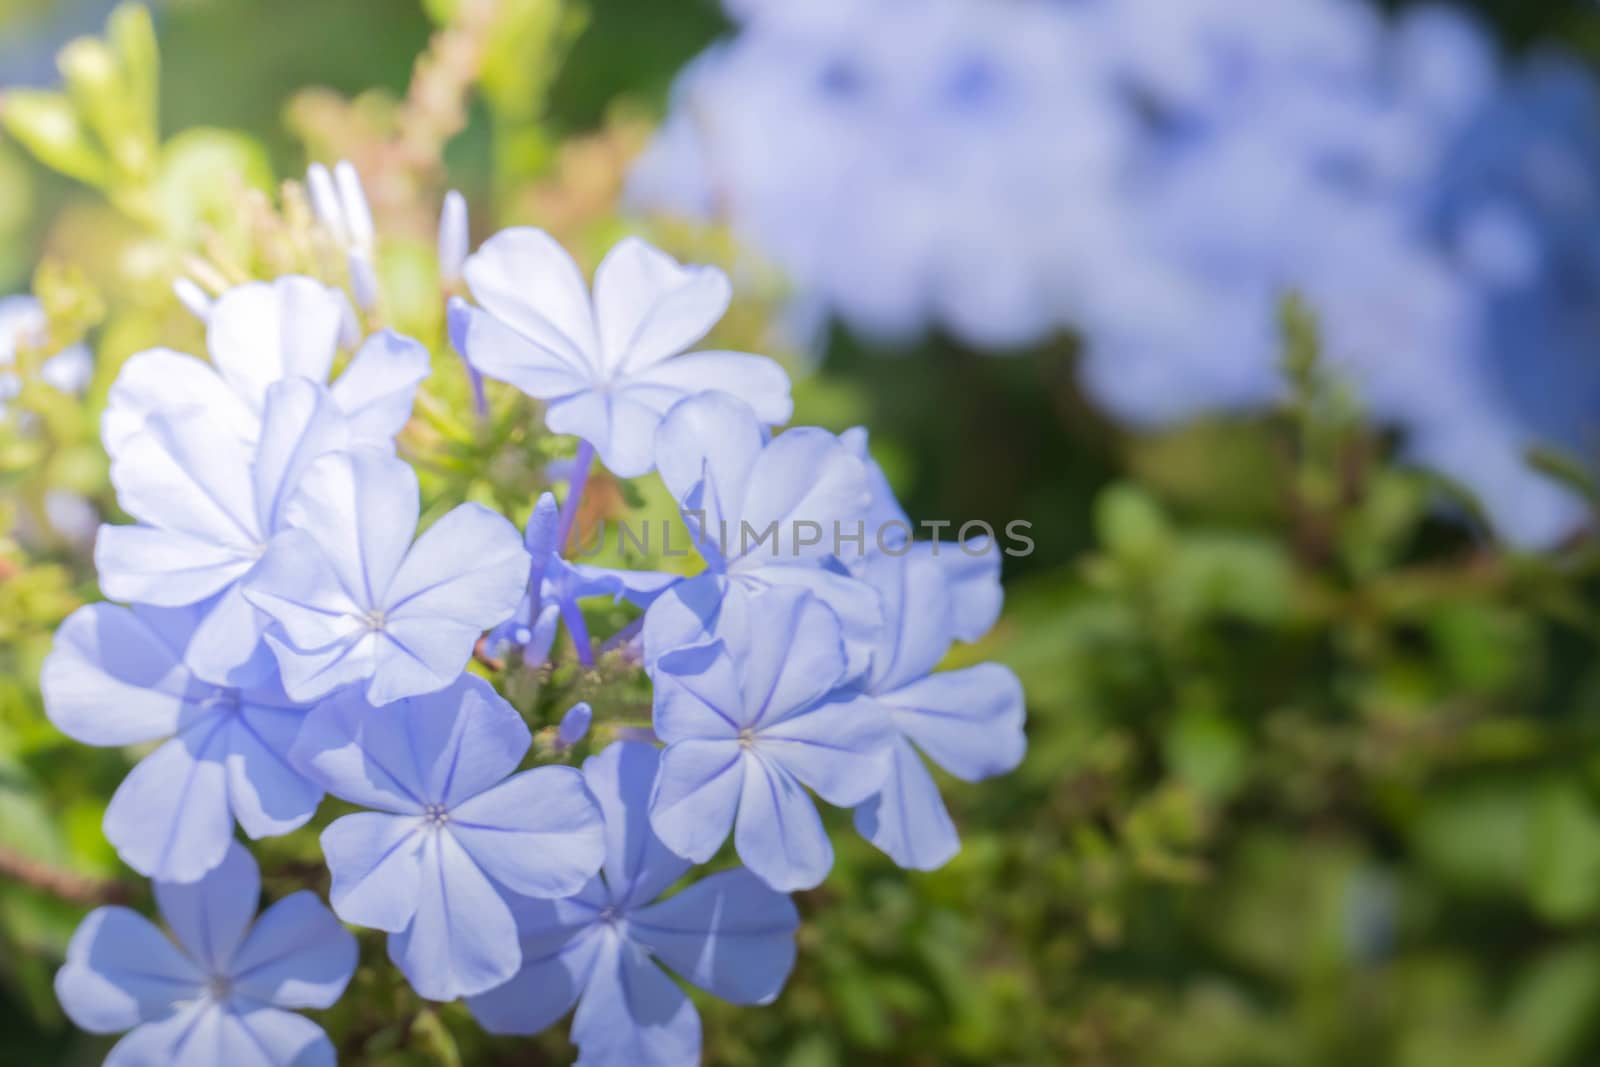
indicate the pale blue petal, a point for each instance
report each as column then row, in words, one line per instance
column 789, row 656
column 917, row 615
column 170, row 818
column 375, row 860
column 524, row 277
column 376, row 391
column 632, row 1013
column 210, row 917
column 418, row 655
column 839, row 746
column 145, row 565
column 268, row 796
column 543, row 991
column 809, row 487
column 908, row 820
column 884, row 516
column 465, row 739
column 698, row 696
column 779, row 834
column 497, row 350
column 538, row 833
column 121, row 971
column 153, row 1044
column 311, row 676
column 462, row 939
column 730, row 934
column 972, row 580
column 617, row 424
column 299, row 424
column 968, row 721
column 686, row 614
column 226, row 648
column 112, row 679
column 297, row 586
column 161, row 381
column 855, row 604
column 262, row 332
column 637, row 865
column 760, row 382
column 297, row 955
column 649, row 307
column 636, row 587
column 361, row 508
column 696, row 796
column 190, row 474
column 717, row 439
column 367, row 755
column 252, row 1036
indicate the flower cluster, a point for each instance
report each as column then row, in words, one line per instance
column 280, row 631
column 1158, row 176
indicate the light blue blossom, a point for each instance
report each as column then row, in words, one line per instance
column 968, row 721
column 603, row 949
column 224, row 989
column 454, row 831
column 22, row 322
column 762, row 514
column 208, row 504
column 750, row 721
column 609, row 367
column 354, row 600
column 555, row 586
column 116, row 677
column 260, row 333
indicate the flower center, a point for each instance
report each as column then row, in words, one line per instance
column 747, row 737
column 219, row 987
column 375, row 619
column 435, row 816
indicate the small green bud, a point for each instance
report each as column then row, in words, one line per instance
column 47, row 125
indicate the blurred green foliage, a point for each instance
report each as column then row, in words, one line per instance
column 1314, row 766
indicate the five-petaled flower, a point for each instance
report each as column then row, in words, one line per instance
column 224, row 989
column 608, row 368
column 728, row 934
column 454, row 832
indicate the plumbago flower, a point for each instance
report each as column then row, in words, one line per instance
column 116, row 677
column 354, row 600
column 749, row 721
column 455, row 830
column 728, row 934
column 763, row 514
column 224, row 990
column 208, row 504
column 608, row 368
column 968, row 721
column 555, row 586
column 260, row 333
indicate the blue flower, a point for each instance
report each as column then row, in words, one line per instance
column 762, row 514
column 555, row 586
column 116, row 677
column 609, row 369
column 207, row 505
column 353, row 600
column 968, row 721
column 454, row 830
column 224, row 989
column 603, row 948
column 260, row 333
column 575, row 723
column 752, row 719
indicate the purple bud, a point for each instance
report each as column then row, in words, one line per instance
column 325, row 202
column 575, row 724
column 192, row 297
column 353, row 205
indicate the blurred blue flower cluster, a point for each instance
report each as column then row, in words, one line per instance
column 1158, row 176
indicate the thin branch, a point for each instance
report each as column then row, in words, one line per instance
column 65, row 885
